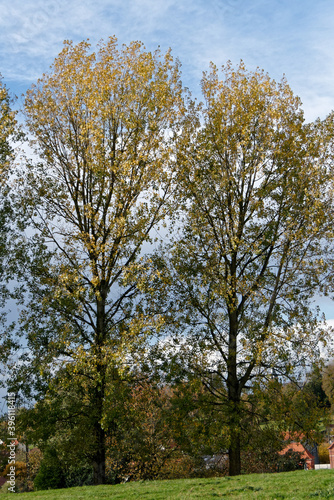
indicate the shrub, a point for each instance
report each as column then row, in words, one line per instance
column 20, row 475
column 177, row 467
column 82, row 475
column 323, row 453
column 259, row 461
column 20, row 470
column 50, row 474
column 291, row 460
column 35, row 457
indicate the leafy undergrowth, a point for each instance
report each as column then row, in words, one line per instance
column 286, row 485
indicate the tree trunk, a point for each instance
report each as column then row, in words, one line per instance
column 99, row 456
column 233, row 396
column 99, row 459
column 234, row 454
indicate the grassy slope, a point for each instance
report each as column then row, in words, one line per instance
column 288, row 485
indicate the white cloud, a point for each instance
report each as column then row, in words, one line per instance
column 281, row 36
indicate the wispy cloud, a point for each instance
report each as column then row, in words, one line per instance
column 282, row 36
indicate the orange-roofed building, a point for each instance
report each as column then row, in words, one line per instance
column 305, row 454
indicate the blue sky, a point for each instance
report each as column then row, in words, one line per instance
column 291, row 37
column 294, row 37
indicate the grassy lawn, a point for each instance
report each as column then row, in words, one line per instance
column 287, row 485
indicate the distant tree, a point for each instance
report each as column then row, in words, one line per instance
column 315, row 385
column 10, row 224
column 142, row 439
column 137, row 418
column 328, row 382
column 8, row 132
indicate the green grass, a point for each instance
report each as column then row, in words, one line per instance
column 286, row 485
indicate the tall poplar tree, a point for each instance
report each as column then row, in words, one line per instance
column 254, row 242
column 104, row 126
